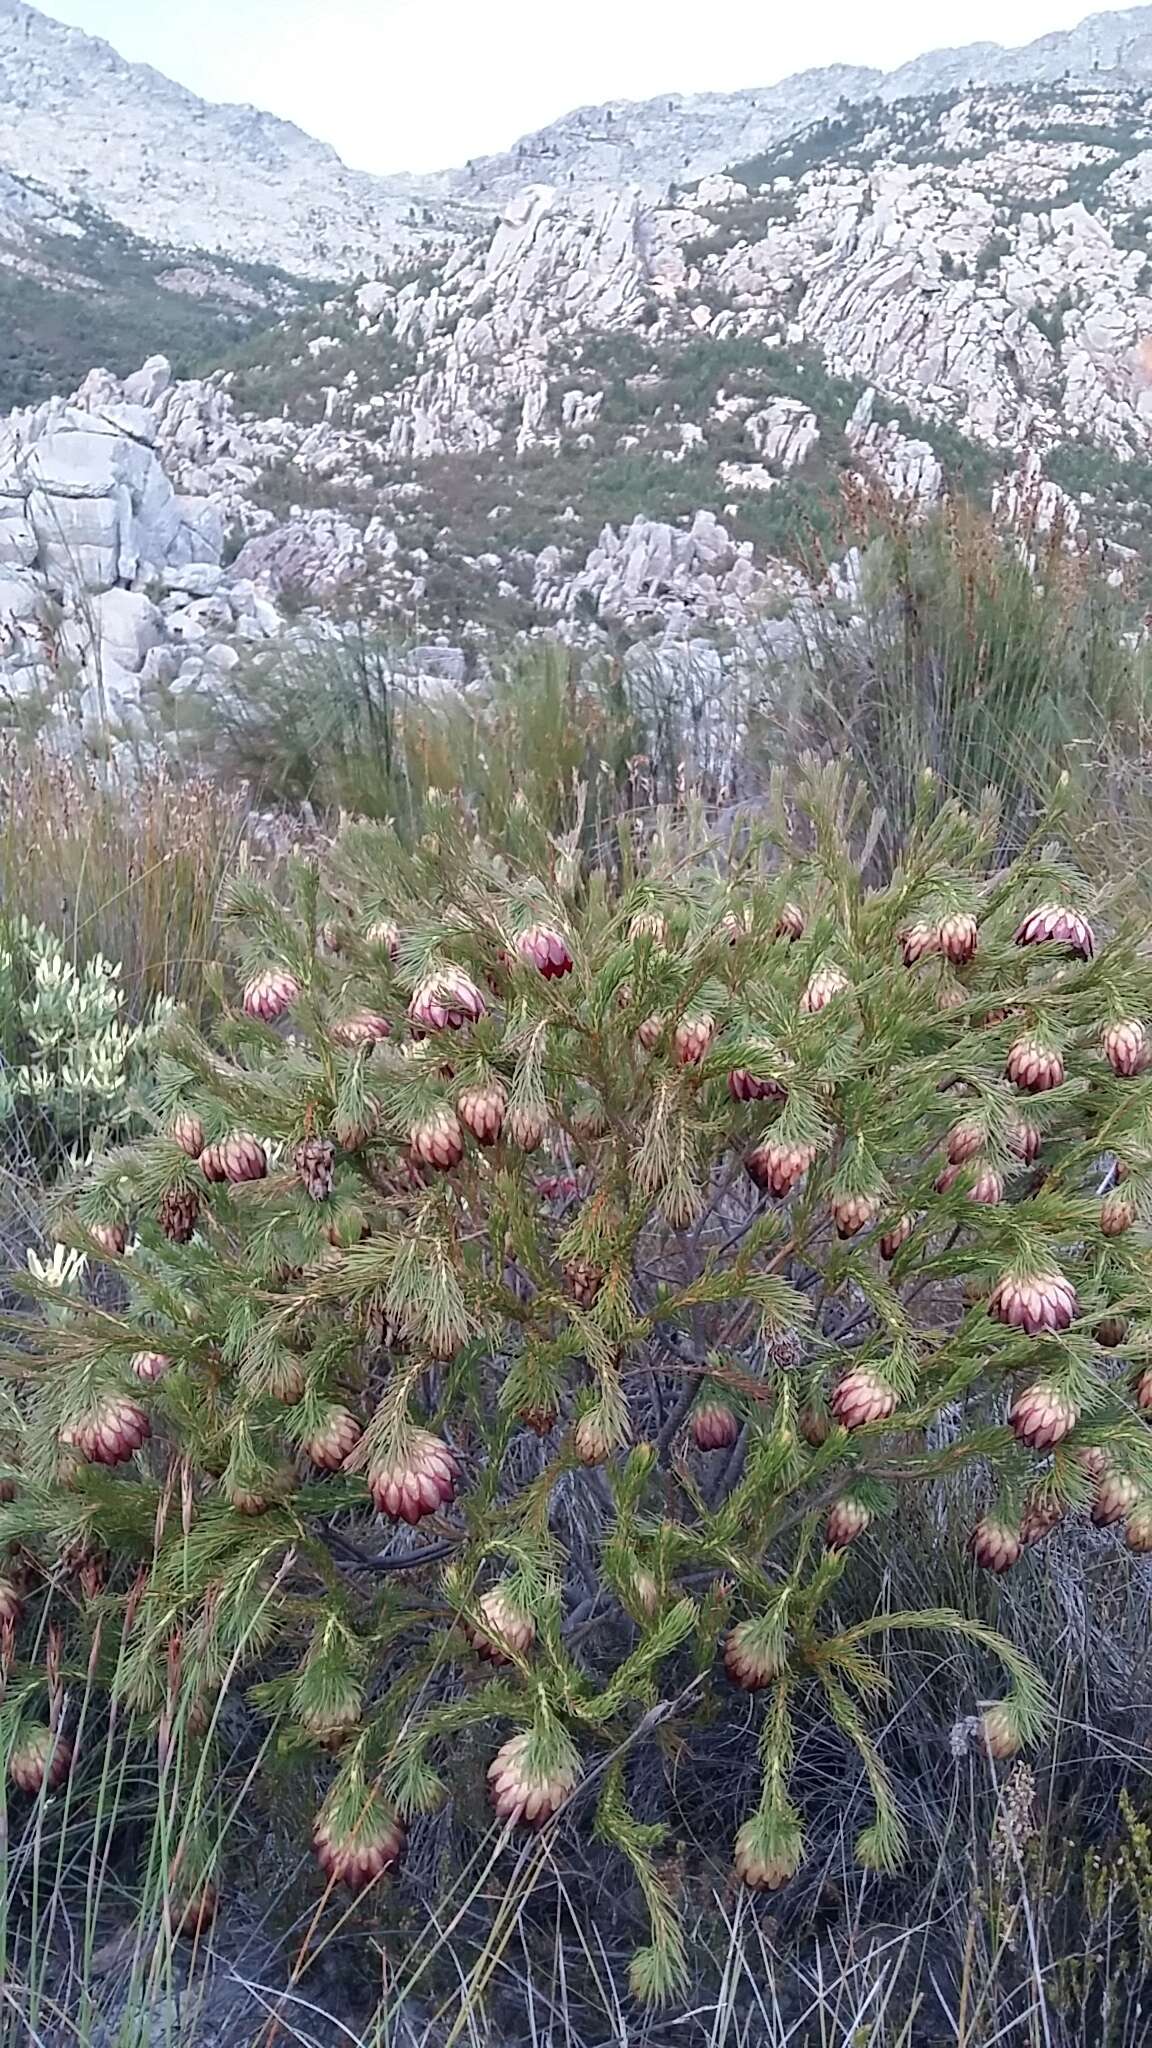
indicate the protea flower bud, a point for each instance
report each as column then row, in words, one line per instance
column 1041, row 1515
column 1033, row 1067
column 416, row 1480
column 150, row 1365
column 763, row 1872
column 814, row 1426
column 736, row 924
column 1034, row 1302
column 777, row 1168
column 238, row 1158
column 525, row 1128
column 1138, row 1528
column 986, row 1186
column 649, row 924
column 958, row 937
column 537, row 1417
column 1126, row 1047
column 590, row 1440
column 385, row 935
column 270, row 994
column 356, row 1856
column 111, row 1434
column 481, row 1110
column 853, row 1213
column 1024, row 1142
column 190, row 1913
column 1117, row 1214
column 995, row 1544
column 827, row 982
column 746, row 1087
column 178, row 1214
column 747, row 1660
column 519, row 1791
column 437, row 1139
column 1110, row 1331
column 645, row 1592
column 847, row 1518
column 545, row 949
column 505, row 1629
column 966, row 1140
column 1116, row 1496
column 862, row 1397
column 11, row 1604
column 314, row 1160
column 187, row 1131
column 648, row 1032
column 1142, row 1389
column 896, row 1236
column 714, row 1426
column 1042, row 1416
column 446, row 1001
column 691, row 1039
column 790, row 924
column 111, row 1238
column 918, row 941
column 998, row 1727
column 335, row 1441
column 585, row 1280
column 41, row 1757
column 1054, row 923
column 359, row 1028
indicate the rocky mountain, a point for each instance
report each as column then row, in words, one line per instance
column 179, row 171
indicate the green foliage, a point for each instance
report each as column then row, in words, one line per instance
column 504, row 1344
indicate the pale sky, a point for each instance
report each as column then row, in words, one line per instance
column 400, row 85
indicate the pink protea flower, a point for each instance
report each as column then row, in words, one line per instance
column 545, row 949
column 862, row 1397
column 417, row 1480
column 1041, row 1416
column 270, row 994
column 446, row 1001
column 1034, row 1302
column 1126, row 1047
column 1055, row 924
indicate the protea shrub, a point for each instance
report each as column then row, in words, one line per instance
column 376, row 1263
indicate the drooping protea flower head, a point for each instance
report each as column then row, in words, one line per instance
column 178, row 1214
column 1116, row 1497
column 1024, row 1142
column 334, row 1441
column 862, row 1397
column 416, row 1480
column 42, row 1756
column 1117, row 1213
column 356, row 1856
column 521, row 1790
column 790, row 924
column 481, row 1110
column 777, row 1168
column 591, row 1441
column 995, row 1544
column 150, row 1365
column 714, row 1426
column 751, row 1660
column 111, row 1434
column 999, row 1729
column 896, row 1236
column 985, row 1186
column 918, row 942
column 763, row 1865
column 238, row 1158
column 1034, row 1301
column 1042, row 1416
column 505, row 1629
column 1126, row 1047
column 437, row 1140
column 747, row 1087
column 853, row 1213
column 585, row 1279
column 966, row 1140
column 187, row 1131
column 545, row 949
column 359, row 1028
column 958, row 937
column 525, row 1128
column 827, row 982
column 446, row 1002
column 847, row 1518
column 692, row 1037
column 1032, row 1067
column 1055, row 924
column 649, row 1031
column 270, row 994
column 112, row 1238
